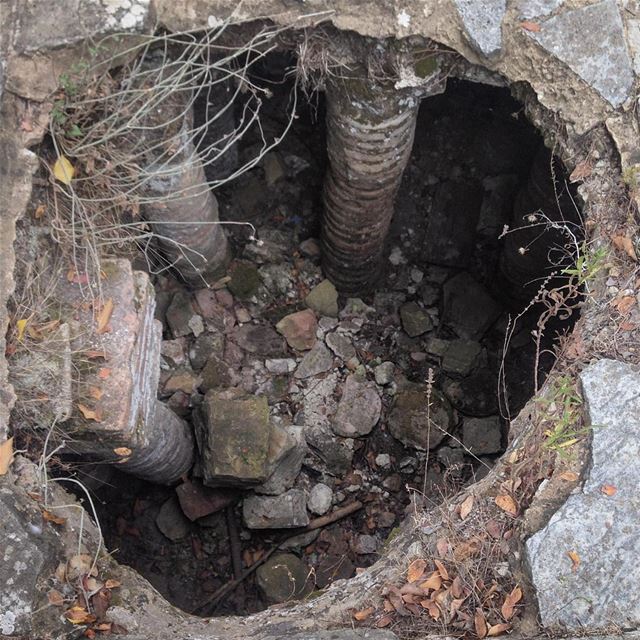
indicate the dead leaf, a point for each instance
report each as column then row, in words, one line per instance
column 364, row 614
column 102, row 626
column 507, row 504
column 39, row 212
column 104, row 316
column 569, row 476
column 456, row 587
column 78, row 565
column 122, row 451
column 96, row 393
column 466, row 507
column 624, row 304
column 104, row 373
column 412, row 590
column 89, row 414
column 79, row 615
column 498, row 629
column 494, row 529
column 442, row 547
column 55, row 598
column 21, row 325
column 441, row 569
column 416, row 570
column 100, row 602
column 112, row 584
column 92, row 354
column 608, row 489
column 50, row 517
column 432, row 608
column 528, row 25
column 480, row 623
column 575, row 560
column 385, row 621
column 63, row 170
column 6, row 455
column 583, row 170
column 434, row 581
column 509, row 604
column 625, row 244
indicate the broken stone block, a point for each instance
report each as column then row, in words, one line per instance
column 197, row 501
column 203, row 347
column 601, row 526
column 287, row 449
column 365, row 544
column 340, row 345
column 419, row 418
column 356, row 308
column 415, row 321
column 323, row 299
column 217, row 374
column 175, row 351
column 282, row 578
column 183, row 380
column 286, row 511
column 384, row 373
column 316, row 361
column 260, row 339
column 468, row 309
column 590, row 41
column 299, row 329
column 358, row 410
column 482, row 436
column 280, row 366
column 233, row 433
column 461, row 356
column 171, row 521
column 277, row 278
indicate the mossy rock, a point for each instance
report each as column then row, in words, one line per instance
column 245, row 280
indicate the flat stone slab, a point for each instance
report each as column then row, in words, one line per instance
column 599, row 522
column 591, row 42
column 276, row 512
column 316, row 361
column 358, row 410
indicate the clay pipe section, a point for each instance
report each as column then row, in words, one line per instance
column 370, row 129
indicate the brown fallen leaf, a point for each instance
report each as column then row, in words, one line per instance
column 385, row 621
column 624, row 304
column 112, row 584
column 569, row 476
column 122, row 451
column 442, row 547
column 104, row 373
column 507, row 504
column 434, row 581
column 89, row 414
column 575, row 560
column 442, row 570
column 509, row 604
column 55, row 598
column 625, row 244
column 102, row 321
column 96, row 393
column 498, row 629
column 466, row 507
column 456, row 587
column 432, row 608
column 528, row 25
column 480, row 623
column 416, row 570
column 608, row 490
column 6, row 455
column 363, row 614
column 50, row 517
column 92, row 354
column 583, row 170
column 79, row 615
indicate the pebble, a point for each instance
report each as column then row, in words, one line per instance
column 384, row 373
column 383, row 460
column 365, row 544
column 280, row 366
column 416, row 275
column 320, row 499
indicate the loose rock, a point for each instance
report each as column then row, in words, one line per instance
column 415, row 321
column 179, row 315
column 316, row 361
column 320, row 499
column 285, row 511
column 461, row 356
column 260, row 339
column 171, row 521
column 282, row 578
column 482, row 436
column 287, row 449
column 358, row 410
column 384, row 373
column 340, row 345
column 245, row 280
column 323, row 299
column 299, row 329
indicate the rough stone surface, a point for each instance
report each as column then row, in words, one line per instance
column 340, row 345
column 461, row 356
column 384, row 373
column 415, row 321
column 591, row 42
column 358, row 410
column 316, row 361
column 216, row 374
column 198, row 501
column 475, row 395
column 283, row 577
column 299, row 329
column 233, row 437
column 602, row 529
column 323, row 299
column 179, row 315
column 320, row 499
column 245, row 280
column 171, row 521
column 260, row 339
column 287, row 449
column 25, row 557
column 468, row 309
column 482, row 436
column 483, row 23
column 285, row 511
column 416, row 426
column 280, row 366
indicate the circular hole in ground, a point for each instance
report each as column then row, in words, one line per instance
column 483, row 217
